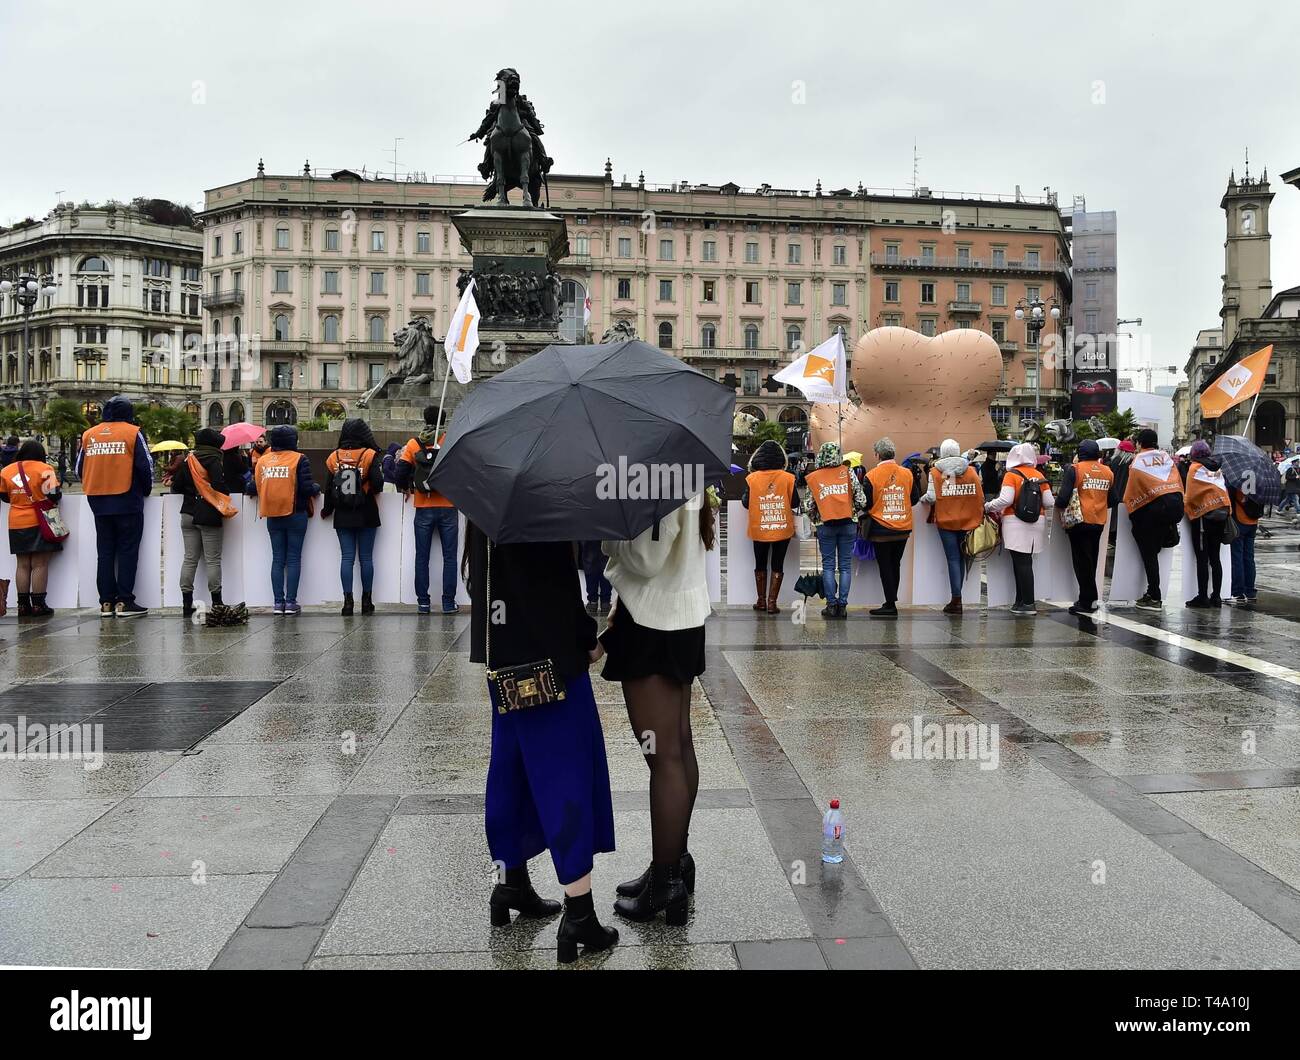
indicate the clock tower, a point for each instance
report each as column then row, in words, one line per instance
column 1247, row 286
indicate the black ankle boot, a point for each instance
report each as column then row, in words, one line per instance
column 187, row 605
column 367, row 604
column 24, row 605
column 517, row 893
column 39, row 608
column 580, row 926
column 632, row 888
column 216, row 598
column 666, row 890
column 347, row 604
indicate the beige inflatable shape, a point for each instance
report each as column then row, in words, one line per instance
column 916, row 390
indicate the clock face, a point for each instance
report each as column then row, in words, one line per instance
column 1248, row 222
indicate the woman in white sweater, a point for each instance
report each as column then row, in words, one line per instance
column 655, row 645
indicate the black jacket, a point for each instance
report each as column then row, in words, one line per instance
column 207, row 448
column 356, row 434
column 535, row 590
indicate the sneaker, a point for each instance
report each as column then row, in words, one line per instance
column 131, row 610
column 1025, row 610
column 831, row 611
column 884, row 611
column 1239, row 599
column 1216, row 601
column 1146, row 603
column 106, row 610
column 1198, row 602
column 278, row 609
column 424, row 608
column 1078, row 609
column 1251, row 598
column 292, row 607
column 593, row 608
column 454, row 609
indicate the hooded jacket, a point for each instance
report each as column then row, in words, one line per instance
column 1018, row 535
column 829, row 456
column 285, row 438
column 356, row 434
column 120, row 410
column 207, row 450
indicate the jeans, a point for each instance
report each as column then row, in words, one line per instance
column 952, row 541
column 201, row 542
column 836, row 541
column 117, row 542
column 427, row 520
column 889, row 558
column 354, row 542
column 1290, row 502
column 1243, row 562
column 1085, row 546
column 287, row 532
column 594, row 562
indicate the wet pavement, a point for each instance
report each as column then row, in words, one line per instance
column 307, row 793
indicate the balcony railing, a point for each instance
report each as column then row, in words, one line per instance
column 223, row 299
column 732, row 353
column 937, row 262
column 966, row 307
column 1009, row 347
column 383, row 348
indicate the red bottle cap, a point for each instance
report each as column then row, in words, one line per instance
column 835, row 804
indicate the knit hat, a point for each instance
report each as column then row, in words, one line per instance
column 1127, row 446
column 1200, row 449
column 1089, row 449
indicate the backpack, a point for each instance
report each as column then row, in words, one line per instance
column 425, row 457
column 1029, row 502
column 1251, row 507
column 347, row 488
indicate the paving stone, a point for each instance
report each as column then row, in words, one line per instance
column 30, row 829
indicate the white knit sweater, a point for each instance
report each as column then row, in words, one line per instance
column 663, row 582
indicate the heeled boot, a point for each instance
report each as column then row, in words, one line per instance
column 666, row 891
column 760, row 585
column 580, row 927
column 24, row 605
column 39, row 607
column 367, row 604
column 516, row 892
column 631, row 888
column 347, row 604
column 774, row 590
column 4, row 597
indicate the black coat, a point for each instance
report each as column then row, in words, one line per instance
column 212, row 461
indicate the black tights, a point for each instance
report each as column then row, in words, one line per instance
column 1209, row 563
column 776, row 549
column 660, row 712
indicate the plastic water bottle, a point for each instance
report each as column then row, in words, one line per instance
column 833, row 834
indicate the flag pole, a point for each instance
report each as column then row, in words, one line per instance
column 446, row 374
column 1252, row 412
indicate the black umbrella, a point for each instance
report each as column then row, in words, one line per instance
column 998, row 446
column 585, row 442
column 1246, row 469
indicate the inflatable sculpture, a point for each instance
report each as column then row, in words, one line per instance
column 916, row 390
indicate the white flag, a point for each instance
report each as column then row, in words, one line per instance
column 462, row 336
column 586, row 311
column 820, row 373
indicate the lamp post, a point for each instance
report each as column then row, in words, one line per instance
column 27, row 288
column 1035, row 313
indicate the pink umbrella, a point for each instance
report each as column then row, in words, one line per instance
column 238, row 434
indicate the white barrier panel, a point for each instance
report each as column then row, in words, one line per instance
column 866, row 589
column 1128, row 580
column 148, row 573
column 232, row 553
column 1187, row 557
column 61, row 589
column 740, row 563
column 1056, row 580
column 930, row 566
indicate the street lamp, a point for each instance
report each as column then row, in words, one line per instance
column 1035, row 313
column 27, row 289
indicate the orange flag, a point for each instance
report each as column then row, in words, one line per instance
column 1239, row 383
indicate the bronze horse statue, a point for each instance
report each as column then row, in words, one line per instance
column 513, row 155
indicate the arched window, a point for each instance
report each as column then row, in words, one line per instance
column 330, row 328
column 793, row 335
column 281, row 327
column 751, row 336
column 281, row 411
column 330, row 410
column 331, row 238
column 793, row 414
column 755, row 411
column 192, row 409
column 709, row 336
column 236, row 326
column 236, row 412
column 665, row 335
column 216, row 417
column 92, row 411
column 573, row 296
column 93, row 264
column 375, row 326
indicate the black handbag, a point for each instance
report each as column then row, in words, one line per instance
column 519, row 687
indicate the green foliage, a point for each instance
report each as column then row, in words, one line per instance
column 14, row 421
column 316, row 423
column 162, row 423
column 1119, row 424
column 768, row 430
column 63, row 419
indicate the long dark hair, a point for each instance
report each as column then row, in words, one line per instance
column 32, row 450
column 708, row 524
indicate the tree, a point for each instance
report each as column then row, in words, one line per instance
column 162, row 423
column 15, row 421
column 768, row 430
column 1120, row 425
column 64, row 420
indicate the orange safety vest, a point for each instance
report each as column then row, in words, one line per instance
column 108, row 458
column 1012, row 478
column 1239, row 512
column 362, row 458
column 276, row 476
column 423, row 500
column 1152, row 474
column 832, row 492
column 1204, row 492
column 770, row 517
column 891, row 496
column 958, row 502
column 1092, row 481
column 22, row 507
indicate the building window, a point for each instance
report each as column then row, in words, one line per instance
column 751, row 292
column 331, row 239
column 330, row 328
column 375, row 372
column 793, row 335
column 239, row 241
column 1092, row 259
column 963, row 255
column 839, row 294
column 377, row 240
column 1090, row 291
column 94, row 264
column 839, row 254
column 624, row 246
column 331, row 281
column 375, row 328
column 709, row 336
column 927, row 293
column 281, row 376
column 998, row 294
column 1031, row 258
column 710, row 291
column 216, row 246
column 927, row 326
column 999, row 256
column 1090, row 321
column 750, row 382
column 751, row 253
column 891, row 290
column 709, row 250
column 665, row 250
column 377, row 282
column 665, row 335
column 583, row 245
column 891, row 253
column 329, row 375
column 1031, row 375
column 751, row 336
column 794, row 293
column 794, row 253
column 281, row 285
column 665, row 290
column 999, row 330
column 422, row 242
column 624, row 288
column 423, row 283
column 281, row 412
column 216, row 417
column 927, row 254
column 282, row 237
column 573, row 301
column 963, row 292
column 1000, row 414
column 281, row 327
column 891, row 320
column 1031, row 294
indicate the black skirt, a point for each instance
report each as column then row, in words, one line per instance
column 28, row 539
column 635, row 651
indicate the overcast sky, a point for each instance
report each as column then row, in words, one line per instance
column 994, row 95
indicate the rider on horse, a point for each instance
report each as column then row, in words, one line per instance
column 509, row 80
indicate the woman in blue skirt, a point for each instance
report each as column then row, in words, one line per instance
column 548, row 781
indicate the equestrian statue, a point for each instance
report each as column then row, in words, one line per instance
column 513, row 156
